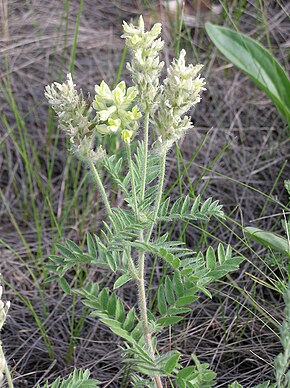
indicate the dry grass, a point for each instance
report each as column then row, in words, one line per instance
column 226, row 332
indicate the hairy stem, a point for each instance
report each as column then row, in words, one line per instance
column 128, row 148
column 5, row 368
column 101, row 188
column 143, row 312
column 142, row 303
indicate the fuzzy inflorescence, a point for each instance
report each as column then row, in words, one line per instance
column 145, row 66
column 180, row 91
column 73, row 118
column 117, row 111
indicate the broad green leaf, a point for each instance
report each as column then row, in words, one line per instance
column 221, row 254
column 171, row 363
column 57, row 259
column 210, row 258
column 180, row 383
column 119, row 331
column 266, row 384
column 120, row 311
column 122, row 280
column 66, row 252
column 169, row 293
column 91, row 246
column 269, row 239
column 257, row 62
column 178, row 310
column 177, row 284
column 104, row 297
column 65, row 286
column 51, row 278
column 129, row 321
column 206, row 292
column 73, row 247
column 185, row 300
column 112, row 304
column 235, row 385
column 161, row 300
column 167, row 321
column 186, row 372
column 111, row 262
column 137, row 332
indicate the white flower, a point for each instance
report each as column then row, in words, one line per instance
column 73, row 114
column 4, row 307
column 180, row 91
column 116, row 110
column 145, row 65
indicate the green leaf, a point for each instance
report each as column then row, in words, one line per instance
column 119, row 331
column 257, row 62
column 185, row 300
column 167, row 321
column 266, row 384
column 51, row 278
column 77, row 379
column 57, row 259
column 161, row 302
column 66, row 252
column 129, row 321
column 205, row 291
column 177, row 284
column 235, row 384
column 122, row 280
column 112, row 305
column 171, row 363
column 180, row 383
column 169, row 293
column 210, row 258
column 268, row 239
column 73, row 247
column 120, row 311
column 65, row 286
column 178, row 310
column 186, row 372
column 221, row 254
column 91, row 246
column 104, row 297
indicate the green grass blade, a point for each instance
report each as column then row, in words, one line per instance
column 74, row 47
column 257, row 62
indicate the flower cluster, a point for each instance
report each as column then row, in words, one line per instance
column 73, row 114
column 4, row 307
column 181, row 91
column 116, row 111
column 145, row 65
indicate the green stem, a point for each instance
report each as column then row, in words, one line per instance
column 144, row 172
column 142, row 303
column 5, row 369
column 128, row 148
column 143, row 312
column 101, row 188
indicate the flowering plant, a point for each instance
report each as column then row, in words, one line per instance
column 127, row 241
